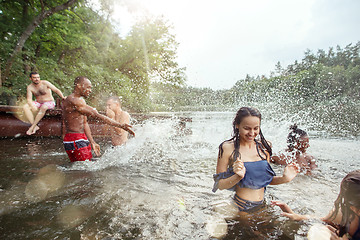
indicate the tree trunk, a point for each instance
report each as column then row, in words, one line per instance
column 28, row 31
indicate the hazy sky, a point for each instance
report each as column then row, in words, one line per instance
column 222, row 41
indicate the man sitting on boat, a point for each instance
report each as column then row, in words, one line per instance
column 41, row 89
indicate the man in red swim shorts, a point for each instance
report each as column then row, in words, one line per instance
column 77, row 146
column 78, row 139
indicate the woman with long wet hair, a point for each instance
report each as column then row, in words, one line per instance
column 243, row 163
column 344, row 218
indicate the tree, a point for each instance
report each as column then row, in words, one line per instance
column 47, row 10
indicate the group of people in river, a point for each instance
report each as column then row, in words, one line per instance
column 77, row 138
column 243, row 166
column 243, row 163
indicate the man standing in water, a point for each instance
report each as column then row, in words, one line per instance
column 44, row 100
column 114, row 111
column 78, row 137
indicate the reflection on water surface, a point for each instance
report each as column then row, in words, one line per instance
column 158, row 186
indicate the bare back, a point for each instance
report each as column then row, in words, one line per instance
column 73, row 119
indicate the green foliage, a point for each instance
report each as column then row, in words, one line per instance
column 81, row 41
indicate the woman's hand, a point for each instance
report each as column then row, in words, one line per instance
column 239, row 168
column 290, row 171
column 334, row 235
column 287, row 212
column 284, row 207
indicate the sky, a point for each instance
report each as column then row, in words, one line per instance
column 221, row 41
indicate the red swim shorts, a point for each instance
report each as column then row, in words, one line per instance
column 77, row 146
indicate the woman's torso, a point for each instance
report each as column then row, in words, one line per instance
column 258, row 173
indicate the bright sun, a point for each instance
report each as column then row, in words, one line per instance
column 129, row 11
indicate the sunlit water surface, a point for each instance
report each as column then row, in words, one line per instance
column 157, row 186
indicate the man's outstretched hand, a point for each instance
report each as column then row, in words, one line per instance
column 128, row 127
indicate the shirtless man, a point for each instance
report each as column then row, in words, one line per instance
column 114, row 111
column 41, row 89
column 78, row 137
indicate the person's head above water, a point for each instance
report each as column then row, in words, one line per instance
column 82, row 86
column 348, row 201
column 113, row 103
column 246, row 127
column 297, row 139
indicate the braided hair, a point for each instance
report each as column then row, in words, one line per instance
column 294, row 135
column 349, row 196
column 240, row 115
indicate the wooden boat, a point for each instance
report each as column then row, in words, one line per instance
column 13, row 125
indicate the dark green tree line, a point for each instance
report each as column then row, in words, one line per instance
column 78, row 40
column 323, row 87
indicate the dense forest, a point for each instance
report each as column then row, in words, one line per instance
column 64, row 39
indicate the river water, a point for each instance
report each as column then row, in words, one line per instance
column 157, row 186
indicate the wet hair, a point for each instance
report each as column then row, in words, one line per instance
column 78, row 80
column 294, row 135
column 240, row 115
column 33, row 73
column 349, row 196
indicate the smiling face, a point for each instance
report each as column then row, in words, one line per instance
column 35, row 78
column 302, row 143
column 249, row 128
column 85, row 88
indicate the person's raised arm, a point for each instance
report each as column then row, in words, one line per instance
column 55, row 89
column 88, row 111
column 95, row 146
column 290, row 172
column 222, row 165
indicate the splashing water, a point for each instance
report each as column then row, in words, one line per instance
column 158, row 185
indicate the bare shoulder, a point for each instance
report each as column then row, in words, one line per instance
column 30, row 87
column 279, row 158
column 228, row 146
column 45, row 82
column 225, row 156
column 50, row 85
column 308, row 157
column 76, row 101
column 124, row 116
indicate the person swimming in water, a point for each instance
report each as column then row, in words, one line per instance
column 298, row 143
column 344, row 218
column 243, row 163
column 114, row 111
column 77, row 137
